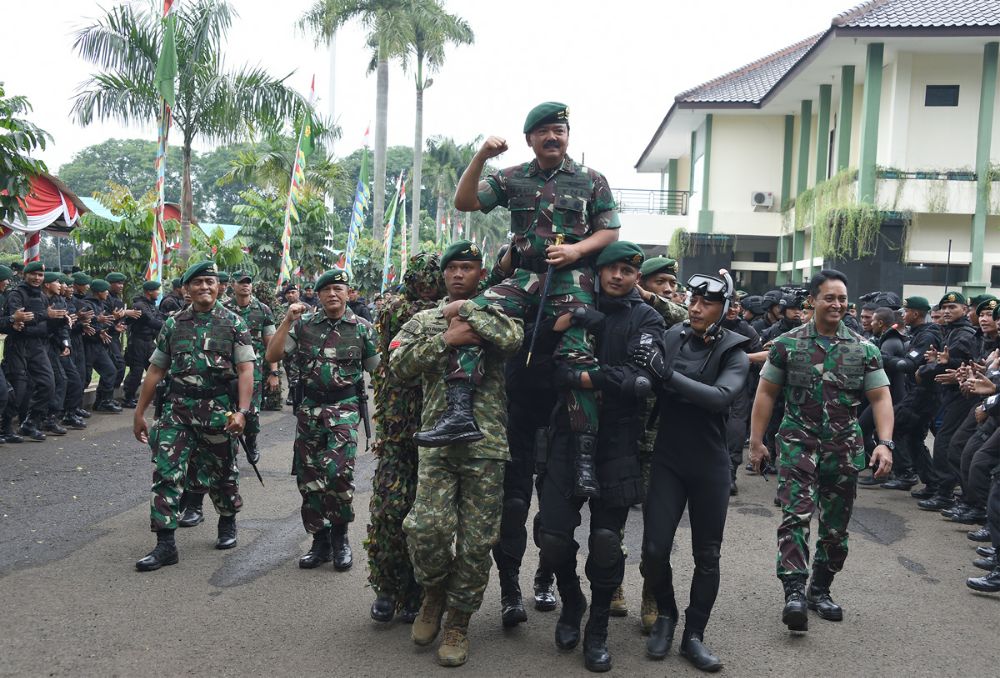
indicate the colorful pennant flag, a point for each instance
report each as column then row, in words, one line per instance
column 295, row 187
column 390, row 228
column 362, row 197
column 163, row 81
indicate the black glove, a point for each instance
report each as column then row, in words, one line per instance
column 587, row 318
column 565, row 377
column 651, row 359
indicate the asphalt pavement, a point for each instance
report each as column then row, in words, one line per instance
column 74, row 519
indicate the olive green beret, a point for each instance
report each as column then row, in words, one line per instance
column 237, row 276
column 335, row 276
column 150, row 285
column 115, row 277
column 658, row 264
column 202, row 268
column 953, row 298
column 987, row 304
column 546, row 114
column 66, row 279
column 621, row 250
column 51, row 277
column 979, row 298
column 6, row 273
column 308, row 286
column 33, row 266
column 917, row 304
column 851, row 306
column 460, row 250
column 224, row 277
column 100, row 286
column 81, row 278
column 176, row 283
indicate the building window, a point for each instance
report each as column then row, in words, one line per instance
column 995, row 276
column 935, row 274
column 941, row 95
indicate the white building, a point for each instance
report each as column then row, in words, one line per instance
column 868, row 147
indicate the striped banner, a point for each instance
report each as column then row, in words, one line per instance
column 404, row 232
column 362, row 197
column 32, row 246
column 295, row 186
column 155, row 269
column 390, row 228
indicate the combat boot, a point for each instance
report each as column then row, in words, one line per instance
column 988, row 584
column 130, row 403
column 981, row 535
column 82, row 413
column 661, row 636
column 454, row 648
column 574, row 604
column 694, row 650
column 986, row 551
column 512, row 610
column 319, row 553
column 818, row 597
column 107, row 407
column 545, row 597
column 253, row 453
column 428, row 622
column 165, row 553
column 596, row 656
column 619, row 608
column 384, row 608
column 51, row 426
column 30, row 431
column 649, row 611
column 585, row 483
column 191, row 511
column 795, row 615
column 411, row 608
column 987, row 564
column 227, row 533
column 456, row 424
column 74, row 422
column 343, row 558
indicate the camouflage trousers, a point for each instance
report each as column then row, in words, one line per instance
column 203, row 458
column 394, row 488
column 271, row 399
column 518, row 297
column 814, row 474
column 454, row 522
column 326, row 442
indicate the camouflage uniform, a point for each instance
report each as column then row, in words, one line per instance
column 455, row 518
column 329, row 355
column 570, row 200
column 291, row 366
column 200, row 352
column 270, row 398
column 397, row 417
column 820, row 448
column 260, row 322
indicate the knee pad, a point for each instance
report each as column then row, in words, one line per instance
column 605, row 547
column 556, row 548
column 515, row 512
column 706, row 560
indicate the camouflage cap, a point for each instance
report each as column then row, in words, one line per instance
column 953, row 298
column 241, row 276
column 916, row 303
column 202, row 268
column 461, row 250
column 51, row 277
column 657, row 265
column 621, row 250
column 6, row 273
column 546, row 113
column 150, row 286
column 423, row 268
column 987, row 304
column 81, row 278
column 115, row 277
column 335, row 276
column 33, row 266
column 100, row 286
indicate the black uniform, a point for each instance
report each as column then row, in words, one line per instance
column 115, row 304
column 74, row 382
column 26, row 360
column 142, row 333
column 171, row 304
column 360, row 308
column 5, row 389
column 58, row 342
column 739, row 413
column 98, row 357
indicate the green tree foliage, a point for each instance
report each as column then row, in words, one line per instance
column 18, row 139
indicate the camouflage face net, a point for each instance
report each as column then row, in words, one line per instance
column 423, row 271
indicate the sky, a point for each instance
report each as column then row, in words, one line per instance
column 617, row 64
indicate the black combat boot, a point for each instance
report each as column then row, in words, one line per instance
column 384, row 607
column 51, row 426
column 596, row 656
column 661, row 636
column 74, row 422
column 585, row 484
column 191, row 511
column 253, row 454
column 936, row 503
column 165, row 553
column 511, row 606
column 82, row 413
column 7, row 431
column 987, row 564
column 795, row 615
column 818, row 598
column 981, row 535
column 29, row 430
column 130, row 402
column 574, row 605
column 411, row 604
column 107, row 407
column 319, row 553
column 988, row 584
column 343, row 558
column 694, row 650
column 986, row 551
column 545, row 596
column 227, row 533
column 973, row 515
column 456, row 424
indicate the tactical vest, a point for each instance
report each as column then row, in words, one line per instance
column 802, row 378
column 217, row 347
column 319, row 345
column 567, row 215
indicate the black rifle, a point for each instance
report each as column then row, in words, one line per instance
column 359, row 387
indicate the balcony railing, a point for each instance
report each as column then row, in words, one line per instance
column 651, row 202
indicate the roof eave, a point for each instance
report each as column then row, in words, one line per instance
column 656, row 136
column 916, row 31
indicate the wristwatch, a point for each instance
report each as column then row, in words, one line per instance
column 246, row 412
column 275, row 373
column 888, row 443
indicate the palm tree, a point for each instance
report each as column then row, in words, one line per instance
column 212, row 103
column 430, row 29
column 383, row 21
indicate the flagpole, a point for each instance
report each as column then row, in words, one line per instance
column 166, row 72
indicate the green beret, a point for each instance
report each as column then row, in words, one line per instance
column 223, row 277
column 460, row 250
column 6, row 273
column 176, row 283
column 100, row 286
column 33, row 266
column 308, row 286
column 917, row 304
column 51, row 277
column 81, row 278
column 150, row 285
column 621, row 250
column 115, row 277
column 546, row 114
column 202, row 268
column 335, row 276
column 987, row 304
column 658, row 264
column 66, row 279
column 237, row 276
column 953, row 298
column 851, row 306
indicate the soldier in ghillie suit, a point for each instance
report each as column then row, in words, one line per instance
column 206, row 354
column 270, row 396
column 455, row 518
column 823, row 369
column 331, row 348
column 397, row 417
column 562, row 215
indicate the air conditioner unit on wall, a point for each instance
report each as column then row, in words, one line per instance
column 762, row 200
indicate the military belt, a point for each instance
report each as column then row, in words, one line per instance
column 188, row 391
column 327, row 397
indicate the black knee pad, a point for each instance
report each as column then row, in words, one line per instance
column 556, row 548
column 515, row 513
column 706, row 560
column 605, row 547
